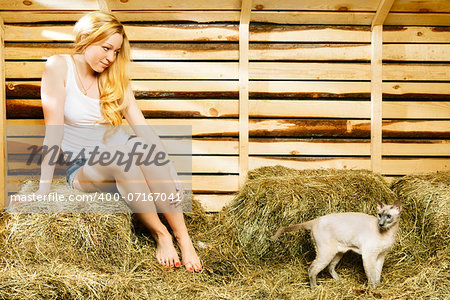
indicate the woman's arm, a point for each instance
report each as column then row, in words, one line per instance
column 136, row 120
column 53, row 97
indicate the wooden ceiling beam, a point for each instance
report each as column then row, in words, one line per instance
column 382, row 12
column 103, row 5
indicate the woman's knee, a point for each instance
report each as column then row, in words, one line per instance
column 137, row 145
column 118, row 160
column 150, row 156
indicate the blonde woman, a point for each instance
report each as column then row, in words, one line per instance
column 90, row 88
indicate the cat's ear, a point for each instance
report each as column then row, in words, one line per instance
column 398, row 205
column 379, row 205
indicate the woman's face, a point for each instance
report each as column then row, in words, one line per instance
column 101, row 55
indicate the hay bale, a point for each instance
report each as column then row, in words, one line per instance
column 280, row 196
column 92, row 240
column 84, row 255
column 227, row 272
column 426, row 214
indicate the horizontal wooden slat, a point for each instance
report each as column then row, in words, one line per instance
column 219, row 51
column 192, row 33
column 421, row 6
column 224, row 51
column 200, row 164
column 257, row 70
column 142, row 5
column 419, row 72
column 198, row 16
column 200, row 183
column 331, row 147
column 27, row 16
column 292, row 108
column 418, row 19
column 258, row 5
column 349, row 5
column 276, row 128
column 229, row 164
column 344, row 18
column 277, row 17
column 49, row 5
column 31, row 108
column 416, row 52
column 259, row 89
column 258, row 33
column 353, row 34
column 352, row 5
column 134, row 33
column 390, row 166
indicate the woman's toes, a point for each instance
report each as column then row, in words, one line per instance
column 171, row 263
column 189, row 267
column 198, row 268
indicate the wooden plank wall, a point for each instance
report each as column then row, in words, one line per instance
column 309, row 79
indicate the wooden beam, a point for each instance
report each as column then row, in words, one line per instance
column 257, row 70
column 104, row 6
column 376, row 88
column 376, row 94
column 382, row 11
column 2, row 120
column 229, row 33
column 262, row 108
column 273, row 89
column 244, row 36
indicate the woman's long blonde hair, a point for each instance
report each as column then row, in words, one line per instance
column 94, row 28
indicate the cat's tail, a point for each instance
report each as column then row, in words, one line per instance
column 283, row 229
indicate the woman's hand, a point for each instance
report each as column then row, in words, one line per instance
column 179, row 188
column 42, row 192
column 44, row 188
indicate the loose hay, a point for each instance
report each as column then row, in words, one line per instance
column 279, row 196
column 228, row 273
column 100, row 241
column 426, row 215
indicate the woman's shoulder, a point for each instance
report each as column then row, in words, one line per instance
column 55, row 70
column 56, row 63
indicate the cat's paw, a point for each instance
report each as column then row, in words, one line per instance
column 373, row 285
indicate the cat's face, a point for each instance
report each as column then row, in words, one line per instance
column 388, row 215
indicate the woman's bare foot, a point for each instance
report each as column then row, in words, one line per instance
column 165, row 251
column 190, row 259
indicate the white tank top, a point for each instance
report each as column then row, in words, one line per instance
column 81, row 112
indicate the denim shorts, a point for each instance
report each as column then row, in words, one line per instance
column 74, row 166
column 72, row 170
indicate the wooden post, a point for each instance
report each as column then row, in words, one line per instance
column 376, row 88
column 376, row 95
column 2, row 120
column 243, row 89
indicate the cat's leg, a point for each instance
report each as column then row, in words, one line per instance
column 323, row 259
column 370, row 262
column 332, row 265
column 379, row 267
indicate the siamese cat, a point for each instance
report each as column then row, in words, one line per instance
column 334, row 234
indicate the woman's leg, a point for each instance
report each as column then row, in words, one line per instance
column 92, row 178
column 159, row 181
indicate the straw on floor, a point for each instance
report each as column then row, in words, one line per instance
column 233, row 267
